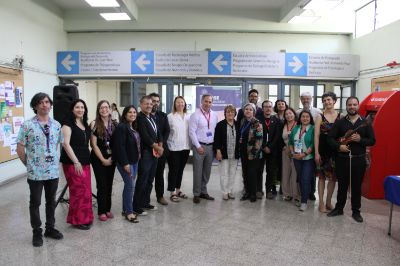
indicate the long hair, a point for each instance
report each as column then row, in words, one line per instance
column 125, row 112
column 174, row 107
column 85, row 114
column 284, row 117
column 98, row 123
column 301, row 113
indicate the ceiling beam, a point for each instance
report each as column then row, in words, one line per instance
column 291, row 8
column 131, row 8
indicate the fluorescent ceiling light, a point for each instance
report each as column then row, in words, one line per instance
column 322, row 4
column 102, row 3
column 115, row 16
column 302, row 20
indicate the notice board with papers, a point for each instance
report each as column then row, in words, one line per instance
column 11, row 111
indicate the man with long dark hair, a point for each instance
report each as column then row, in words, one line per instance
column 37, row 148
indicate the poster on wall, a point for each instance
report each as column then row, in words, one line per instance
column 2, row 91
column 9, row 91
column 7, row 129
column 17, row 123
column 18, row 97
column 222, row 96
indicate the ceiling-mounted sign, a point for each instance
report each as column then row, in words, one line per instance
column 207, row 63
column 109, row 62
column 331, row 65
column 180, row 63
column 258, row 64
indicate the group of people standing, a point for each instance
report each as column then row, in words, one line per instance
column 287, row 143
column 295, row 147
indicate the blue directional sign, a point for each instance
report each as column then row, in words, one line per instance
column 296, row 64
column 142, row 62
column 68, row 62
column 219, row 63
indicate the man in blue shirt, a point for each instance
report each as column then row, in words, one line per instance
column 37, row 148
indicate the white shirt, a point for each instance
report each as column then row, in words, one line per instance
column 199, row 128
column 315, row 112
column 178, row 139
column 115, row 116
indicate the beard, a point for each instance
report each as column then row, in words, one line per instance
column 352, row 112
column 154, row 109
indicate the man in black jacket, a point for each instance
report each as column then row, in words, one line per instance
column 163, row 126
column 151, row 143
column 351, row 156
column 272, row 129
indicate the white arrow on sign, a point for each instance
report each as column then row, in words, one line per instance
column 141, row 62
column 67, row 62
column 296, row 64
column 218, row 63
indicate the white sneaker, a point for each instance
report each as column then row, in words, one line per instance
column 303, row 207
column 225, row 197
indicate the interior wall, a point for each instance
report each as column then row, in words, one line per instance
column 35, row 32
column 376, row 50
column 198, row 41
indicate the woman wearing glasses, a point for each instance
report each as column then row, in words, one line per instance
column 103, row 166
column 75, row 157
column 226, row 151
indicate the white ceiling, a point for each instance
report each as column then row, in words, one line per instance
column 201, row 15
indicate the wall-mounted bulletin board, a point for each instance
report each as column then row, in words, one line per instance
column 11, row 111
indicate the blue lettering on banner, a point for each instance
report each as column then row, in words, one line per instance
column 296, row 64
column 142, row 62
column 219, row 63
column 68, row 62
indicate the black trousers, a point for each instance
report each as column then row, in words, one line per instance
column 104, row 181
column 250, row 169
column 176, row 163
column 358, row 166
column 159, row 178
column 271, row 169
column 50, row 190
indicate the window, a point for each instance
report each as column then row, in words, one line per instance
column 125, row 94
column 375, row 15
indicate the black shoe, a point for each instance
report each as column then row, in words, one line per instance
column 312, row 197
column 150, row 207
column 357, row 217
column 196, row 199
column 53, row 233
column 253, row 198
column 244, row 197
column 335, row 212
column 206, row 196
column 37, row 239
column 82, row 226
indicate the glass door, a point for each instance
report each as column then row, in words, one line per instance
column 268, row 90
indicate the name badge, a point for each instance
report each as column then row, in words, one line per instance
column 209, row 134
column 298, row 146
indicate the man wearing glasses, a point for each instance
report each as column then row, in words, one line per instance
column 37, row 148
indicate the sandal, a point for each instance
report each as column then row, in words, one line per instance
column 182, row 195
column 174, row 198
column 132, row 219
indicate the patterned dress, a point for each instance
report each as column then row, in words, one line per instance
column 326, row 170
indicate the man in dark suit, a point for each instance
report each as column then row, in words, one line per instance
column 151, row 143
column 272, row 127
column 163, row 126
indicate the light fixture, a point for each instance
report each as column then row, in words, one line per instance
column 115, row 16
column 102, row 3
column 303, row 20
column 322, row 4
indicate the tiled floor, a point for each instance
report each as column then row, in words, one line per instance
column 268, row 232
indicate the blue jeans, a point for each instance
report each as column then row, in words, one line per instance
column 305, row 170
column 129, row 187
column 144, row 185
